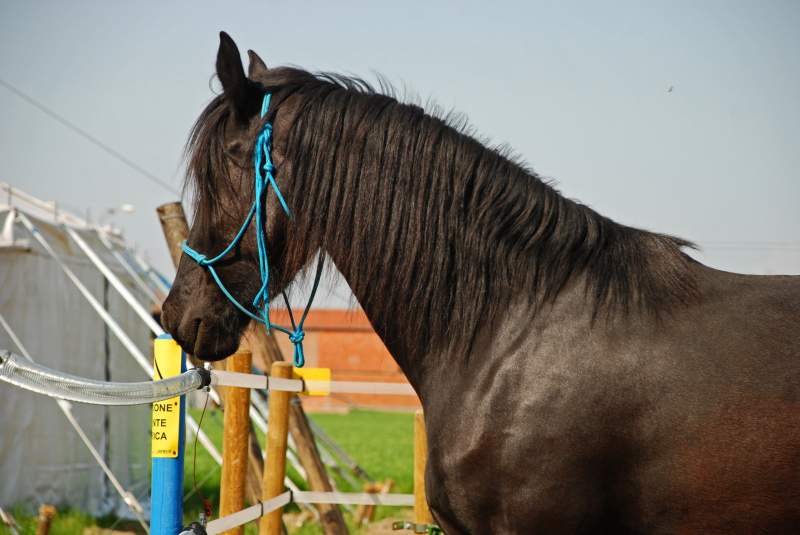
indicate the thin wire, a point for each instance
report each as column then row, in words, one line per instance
column 206, row 504
column 757, row 243
column 158, row 370
column 753, row 248
column 87, row 136
column 195, row 489
column 196, row 486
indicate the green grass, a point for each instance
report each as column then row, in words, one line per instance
column 68, row 522
column 381, row 442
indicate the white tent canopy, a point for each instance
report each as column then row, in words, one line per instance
column 42, row 459
column 72, row 294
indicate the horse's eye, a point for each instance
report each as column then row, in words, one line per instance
column 236, row 152
column 234, row 148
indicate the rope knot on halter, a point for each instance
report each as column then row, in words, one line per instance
column 296, row 337
column 200, row 258
column 264, row 178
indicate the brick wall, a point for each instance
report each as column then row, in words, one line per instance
column 344, row 341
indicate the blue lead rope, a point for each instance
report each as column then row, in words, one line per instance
column 264, row 178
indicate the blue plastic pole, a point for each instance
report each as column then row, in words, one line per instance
column 169, row 430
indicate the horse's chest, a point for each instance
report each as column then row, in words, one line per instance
column 501, row 451
column 485, row 461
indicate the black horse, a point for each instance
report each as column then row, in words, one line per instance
column 577, row 375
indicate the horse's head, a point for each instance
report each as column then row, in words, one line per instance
column 221, row 172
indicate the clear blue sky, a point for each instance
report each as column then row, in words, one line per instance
column 579, row 90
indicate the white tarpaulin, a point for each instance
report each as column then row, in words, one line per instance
column 41, row 457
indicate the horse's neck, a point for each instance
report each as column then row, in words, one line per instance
column 413, row 317
column 437, row 236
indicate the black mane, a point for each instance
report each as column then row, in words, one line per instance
column 426, row 220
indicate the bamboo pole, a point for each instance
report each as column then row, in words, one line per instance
column 277, row 441
column 256, row 468
column 362, row 510
column 175, row 227
column 235, row 442
column 422, row 514
column 366, row 513
column 255, row 463
column 46, row 515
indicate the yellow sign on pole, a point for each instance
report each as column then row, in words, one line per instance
column 167, row 357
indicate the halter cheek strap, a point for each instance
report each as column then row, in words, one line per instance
column 264, row 178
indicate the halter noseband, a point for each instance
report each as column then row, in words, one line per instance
column 263, row 178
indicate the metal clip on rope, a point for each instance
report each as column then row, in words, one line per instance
column 195, row 528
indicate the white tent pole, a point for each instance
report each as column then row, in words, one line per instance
column 115, row 282
column 144, row 266
column 146, row 272
column 114, row 327
column 128, row 268
column 8, row 520
column 128, row 497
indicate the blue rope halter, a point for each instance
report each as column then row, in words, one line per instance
column 263, row 179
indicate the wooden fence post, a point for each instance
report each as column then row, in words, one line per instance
column 422, row 515
column 277, row 440
column 366, row 513
column 175, row 227
column 235, row 442
column 46, row 515
column 255, row 473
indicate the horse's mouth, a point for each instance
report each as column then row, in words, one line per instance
column 211, row 345
column 206, row 338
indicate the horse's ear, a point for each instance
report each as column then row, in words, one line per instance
column 257, row 69
column 237, row 88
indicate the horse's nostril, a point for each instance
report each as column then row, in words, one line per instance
column 169, row 316
column 189, row 326
column 207, row 330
